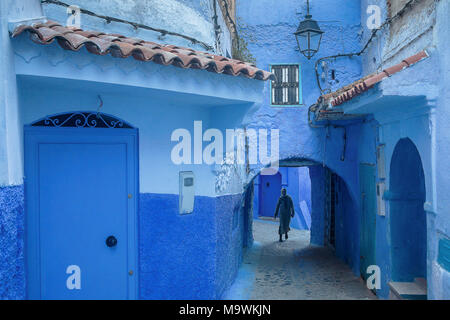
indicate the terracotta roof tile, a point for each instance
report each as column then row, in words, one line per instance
column 119, row 46
column 356, row 88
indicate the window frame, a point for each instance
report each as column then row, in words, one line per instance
column 300, row 95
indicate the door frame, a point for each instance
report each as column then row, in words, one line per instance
column 33, row 136
column 364, row 220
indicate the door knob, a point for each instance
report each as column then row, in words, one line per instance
column 111, row 241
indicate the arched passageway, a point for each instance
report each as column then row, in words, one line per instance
column 320, row 261
column 408, row 225
column 297, row 182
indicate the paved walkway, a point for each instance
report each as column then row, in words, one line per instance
column 293, row 270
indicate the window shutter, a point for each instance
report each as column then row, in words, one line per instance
column 285, row 88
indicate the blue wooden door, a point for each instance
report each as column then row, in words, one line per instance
column 368, row 218
column 81, row 188
column 270, row 191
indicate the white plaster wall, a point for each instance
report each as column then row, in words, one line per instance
column 406, row 37
column 155, row 119
column 190, row 18
column 11, row 172
column 156, row 99
column 400, row 40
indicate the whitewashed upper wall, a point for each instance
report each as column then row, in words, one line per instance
column 404, row 37
column 193, row 18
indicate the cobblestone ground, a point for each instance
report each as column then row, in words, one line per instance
column 293, row 270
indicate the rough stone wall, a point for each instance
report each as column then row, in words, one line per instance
column 177, row 252
column 193, row 256
column 229, row 240
column 12, row 265
column 228, row 9
column 401, row 38
column 187, row 17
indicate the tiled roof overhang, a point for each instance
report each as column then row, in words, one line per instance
column 119, row 46
column 356, row 88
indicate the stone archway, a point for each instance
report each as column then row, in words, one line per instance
column 333, row 216
column 305, row 257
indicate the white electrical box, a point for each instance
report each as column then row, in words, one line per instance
column 380, row 162
column 380, row 201
column 187, row 192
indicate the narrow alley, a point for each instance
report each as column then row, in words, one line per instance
column 293, row 270
column 147, row 145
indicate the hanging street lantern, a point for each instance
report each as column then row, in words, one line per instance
column 308, row 36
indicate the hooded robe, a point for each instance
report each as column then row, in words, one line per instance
column 285, row 208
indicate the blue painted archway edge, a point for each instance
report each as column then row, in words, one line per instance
column 35, row 135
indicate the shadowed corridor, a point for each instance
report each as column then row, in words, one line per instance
column 293, row 270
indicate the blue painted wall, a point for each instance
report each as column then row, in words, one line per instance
column 439, row 222
column 269, row 27
column 347, row 226
column 404, row 111
column 12, row 274
column 53, row 80
column 229, row 242
column 318, row 201
column 255, row 203
column 304, row 186
column 177, row 254
column 194, row 256
column 299, row 188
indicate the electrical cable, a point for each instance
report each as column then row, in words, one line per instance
column 135, row 25
column 388, row 21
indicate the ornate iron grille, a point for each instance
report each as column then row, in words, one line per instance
column 286, row 86
column 82, row 120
